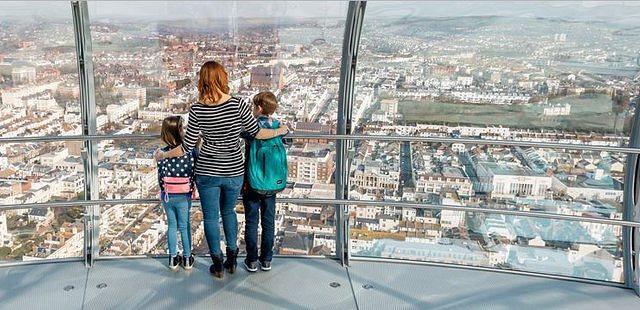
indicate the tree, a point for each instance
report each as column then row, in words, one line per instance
column 4, row 252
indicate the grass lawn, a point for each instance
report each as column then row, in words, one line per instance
column 587, row 114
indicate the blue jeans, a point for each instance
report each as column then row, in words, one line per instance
column 177, row 209
column 263, row 208
column 218, row 196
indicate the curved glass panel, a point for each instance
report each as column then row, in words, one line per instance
column 127, row 171
column 38, row 71
column 580, row 183
column 585, row 250
column 533, row 71
column 140, row 229
column 146, row 67
column 146, row 64
column 43, row 233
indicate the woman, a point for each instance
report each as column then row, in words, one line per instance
column 219, row 118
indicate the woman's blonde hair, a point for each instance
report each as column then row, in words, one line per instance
column 213, row 82
column 171, row 132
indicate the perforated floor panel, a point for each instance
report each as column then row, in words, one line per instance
column 148, row 284
column 408, row 286
column 293, row 283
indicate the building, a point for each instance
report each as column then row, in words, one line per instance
column 451, row 218
column 374, row 176
column 312, row 128
column 592, row 186
column 310, row 166
column 389, row 107
column 5, row 237
column 267, row 77
column 23, row 75
column 451, row 178
column 510, row 180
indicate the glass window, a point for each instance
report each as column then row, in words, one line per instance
column 136, row 229
column 41, row 172
column 38, row 71
column 146, row 65
column 127, row 169
column 42, row 233
column 580, row 183
column 577, row 249
column 537, row 71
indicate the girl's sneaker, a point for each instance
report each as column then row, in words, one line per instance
column 174, row 262
column 187, row 262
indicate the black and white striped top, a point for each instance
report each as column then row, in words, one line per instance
column 220, row 127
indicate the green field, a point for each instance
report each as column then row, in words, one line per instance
column 587, row 114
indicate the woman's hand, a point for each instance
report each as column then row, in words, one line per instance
column 283, row 129
column 159, row 155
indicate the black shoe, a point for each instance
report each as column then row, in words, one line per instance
column 187, row 262
column 265, row 265
column 174, row 262
column 251, row 266
column 231, row 263
column 216, row 269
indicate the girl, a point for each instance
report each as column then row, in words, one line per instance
column 176, row 181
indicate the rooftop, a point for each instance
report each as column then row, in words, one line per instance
column 294, row 283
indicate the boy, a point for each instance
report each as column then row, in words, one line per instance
column 257, row 206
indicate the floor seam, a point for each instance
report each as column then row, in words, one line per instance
column 353, row 291
column 86, row 283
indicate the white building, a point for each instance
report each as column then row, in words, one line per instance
column 5, row 237
column 451, row 218
column 23, row 75
column 508, row 180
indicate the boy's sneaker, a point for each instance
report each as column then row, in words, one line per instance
column 265, row 265
column 174, row 262
column 187, row 262
column 251, row 266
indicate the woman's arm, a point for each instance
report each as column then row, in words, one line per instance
column 175, row 152
column 265, row 133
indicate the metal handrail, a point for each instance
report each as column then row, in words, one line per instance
column 334, row 202
column 354, row 137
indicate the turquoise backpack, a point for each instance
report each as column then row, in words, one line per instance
column 267, row 169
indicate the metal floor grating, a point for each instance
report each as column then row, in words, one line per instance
column 294, row 283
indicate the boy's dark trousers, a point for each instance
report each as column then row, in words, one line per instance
column 262, row 208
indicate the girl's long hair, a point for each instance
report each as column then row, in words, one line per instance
column 171, row 132
column 213, row 82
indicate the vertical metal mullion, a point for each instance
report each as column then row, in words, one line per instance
column 351, row 40
column 631, row 235
column 88, row 118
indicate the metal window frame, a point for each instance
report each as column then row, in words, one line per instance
column 631, row 212
column 352, row 137
column 350, row 45
column 346, row 202
column 83, row 44
column 351, row 40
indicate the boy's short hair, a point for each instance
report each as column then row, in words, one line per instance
column 267, row 101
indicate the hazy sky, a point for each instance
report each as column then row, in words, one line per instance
column 616, row 11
